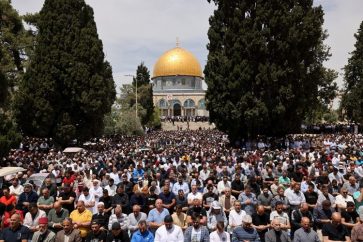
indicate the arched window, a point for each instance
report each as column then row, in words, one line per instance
column 163, row 103
column 189, row 103
column 174, row 101
column 201, row 104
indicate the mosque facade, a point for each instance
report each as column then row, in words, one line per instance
column 178, row 84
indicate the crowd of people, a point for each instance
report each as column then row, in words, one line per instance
column 187, row 186
column 184, row 119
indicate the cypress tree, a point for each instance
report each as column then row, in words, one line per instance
column 68, row 87
column 145, row 92
column 265, row 65
column 352, row 101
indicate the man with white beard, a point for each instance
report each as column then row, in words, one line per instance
column 96, row 190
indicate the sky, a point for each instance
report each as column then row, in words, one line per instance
column 133, row 31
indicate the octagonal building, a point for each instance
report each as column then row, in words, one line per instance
column 177, row 84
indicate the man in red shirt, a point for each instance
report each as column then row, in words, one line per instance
column 9, row 211
column 68, row 180
column 7, row 199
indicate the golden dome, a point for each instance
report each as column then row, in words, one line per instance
column 177, row 62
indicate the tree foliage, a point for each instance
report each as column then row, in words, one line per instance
column 265, row 65
column 9, row 136
column 145, row 93
column 12, row 51
column 68, row 87
column 123, row 121
column 13, row 42
column 352, row 101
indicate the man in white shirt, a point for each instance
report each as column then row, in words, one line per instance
column 180, row 185
column 114, row 176
column 16, row 189
column 111, row 188
column 96, row 190
column 336, row 176
column 223, row 185
column 295, row 197
column 89, row 200
column 281, row 216
column 219, row 235
column 31, row 219
column 342, row 199
column 169, row 232
column 194, row 194
column 204, row 173
column 235, row 216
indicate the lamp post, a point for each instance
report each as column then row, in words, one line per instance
column 136, row 101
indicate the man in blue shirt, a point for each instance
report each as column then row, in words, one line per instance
column 16, row 232
column 248, row 201
column 156, row 216
column 142, row 234
column 137, row 173
column 168, row 199
column 245, row 232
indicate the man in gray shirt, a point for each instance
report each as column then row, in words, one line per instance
column 276, row 234
column 56, row 216
column 305, row 233
column 248, row 201
column 135, row 217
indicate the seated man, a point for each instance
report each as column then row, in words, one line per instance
column 9, row 211
column 342, row 199
column 350, row 217
column 96, row 233
column 8, row 198
column 280, row 215
column 169, row 231
column 135, row 217
column 298, row 214
column 197, row 208
column 56, row 216
column 69, row 232
column 43, row 234
column 196, row 228
column 335, row 231
column 180, row 218
column 117, row 234
column 81, row 218
column 119, row 217
column 16, row 232
column 156, row 216
column 276, row 234
column 45, row 202
column 245, row 232
column 142, row 234
column 32, row 217
column 101, row 216
column 261, row 221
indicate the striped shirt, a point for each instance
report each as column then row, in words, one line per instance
column 301, row 235
column 241, row 234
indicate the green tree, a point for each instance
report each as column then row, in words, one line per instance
column 265, row 65
column 123, row 121
column 12, row 52
column 352, row 102
column 127, row 123
column 145, row 92
column 68, row 87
